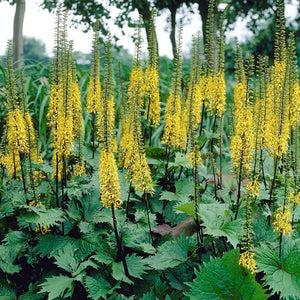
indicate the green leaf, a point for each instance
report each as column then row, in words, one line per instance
column 41, row 216
column 86, row 227
column 149, row 296
column 98, row 287
column 83, row 266
column 184, row 189
column 170, row 254
column 104, row 255
column 7, row 291
column 8, row 255
column 187, row 208
column 217, row 220
column 136, row 266
column 65, row 258
column 225, row 279
column 58, row 286
column 281, row 274
column 180, row 161
column 118, row 272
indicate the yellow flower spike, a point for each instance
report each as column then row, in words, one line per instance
column 12, row 162
column 215, row 93
column 76, row 110
column 194, row 158
column 152, row 95
column 282, row 221
column 277, row 130
column 109, row 181
column 16, row 131
column 173, row 135
column 173, row 128
column 242, row 143
column 294, row 198
column 253, row 187
column 79, row 169
column 94, row 91
column 247, row 260
column 93, row 97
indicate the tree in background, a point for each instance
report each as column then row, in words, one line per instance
column 18, row 49
column 34, row 49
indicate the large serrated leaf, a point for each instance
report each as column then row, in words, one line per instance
column 8, row 255
column 225, row 279
column 58, row 286
column 42, row 216
column 137, row 266
column 170, row 254
column 217, row 221
column 282, row 274
column 65, row 258
column 98, row 287
column 184, row 189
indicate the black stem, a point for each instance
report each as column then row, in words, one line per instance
column 128, row 200
column 148, row 216
column 119, row 244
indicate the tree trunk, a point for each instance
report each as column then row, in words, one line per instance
column 18, row 48
column 203, row 10
column 173, row 31
column 143, row 8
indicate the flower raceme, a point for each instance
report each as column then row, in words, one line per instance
column 93, row 95
column 16, row 131
column 175, row 119
column 242, row 143
column 94, row 89
column 174, row 127
column 109, row 181
column 132, row 149
column 277, row 124
column 106, row 124
column 282, row 220
column 152, row 95
column 136, row 164
column 215, row 93
column 247, row 260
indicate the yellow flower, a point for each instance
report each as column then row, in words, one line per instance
column 106, row 123
column 194, row 158
column 76, row 110
column 79, row 169
column 16, row 131
column 175, row 126
column 136, row 89
column 253, row 187
column 12, row 162
column 294, row 105
column 215, row 93
column 277, row 130
column 152, row 95
column 294, row 198
column 93, row 96
column 109, row 181
column 282, row 222
column 134, row 160
column 247, row 260
column 242, row 143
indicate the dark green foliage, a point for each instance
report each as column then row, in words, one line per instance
column 282, row 274
column 225, row 279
